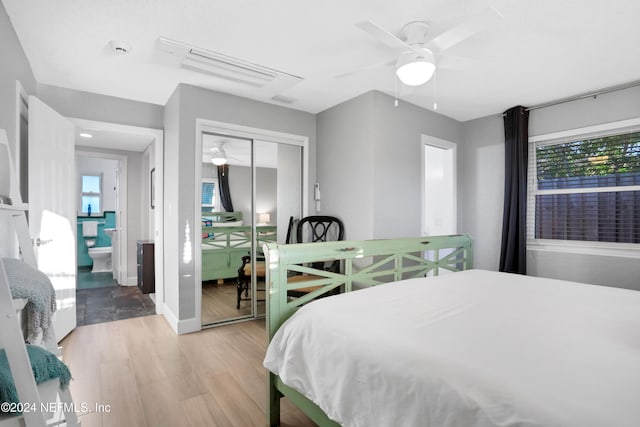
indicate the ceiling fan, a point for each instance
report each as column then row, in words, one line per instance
column 217, row 155
column 416, row 61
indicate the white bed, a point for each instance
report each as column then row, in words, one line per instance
column 474, row 348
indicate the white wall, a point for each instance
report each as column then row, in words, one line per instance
column 97, row 166
column 481, row 181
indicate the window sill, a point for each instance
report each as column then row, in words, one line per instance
column 624, row 250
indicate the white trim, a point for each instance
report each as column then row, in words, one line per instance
column 131, row 281
column 157, row 136
column 447, row 145
column 622, row 125
column 121, row 220
column 625, row 250
column 181, row 327
column 245, row 132
column 588, row 190
column 21, row 96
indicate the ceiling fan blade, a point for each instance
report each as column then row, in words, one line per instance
column 365, row 68
column 458, row 63
column 383, row 35
column 463, row 31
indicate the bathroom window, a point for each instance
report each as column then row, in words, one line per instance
column 91, row 194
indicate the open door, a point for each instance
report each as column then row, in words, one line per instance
column 52, row 213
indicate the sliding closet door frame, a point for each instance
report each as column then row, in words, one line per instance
column 249, row 133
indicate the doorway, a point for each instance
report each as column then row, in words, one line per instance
column 439, row 190
column 252, row 182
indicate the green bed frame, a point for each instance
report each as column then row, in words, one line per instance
column 222, row 253
column 364, row 263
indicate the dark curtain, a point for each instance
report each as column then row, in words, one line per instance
column 513, row 252
column 223, row 183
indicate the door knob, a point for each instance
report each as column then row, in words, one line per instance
column 40, row 242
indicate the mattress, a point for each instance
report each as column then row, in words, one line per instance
column 474, row 348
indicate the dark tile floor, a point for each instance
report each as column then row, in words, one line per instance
column 100, row 299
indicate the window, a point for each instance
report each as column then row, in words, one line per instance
column 91, row 194
column 586, row 187
column 210, row 197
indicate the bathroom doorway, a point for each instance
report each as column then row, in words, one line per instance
column 119, row 165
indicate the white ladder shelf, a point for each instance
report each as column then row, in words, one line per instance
column 11, row 337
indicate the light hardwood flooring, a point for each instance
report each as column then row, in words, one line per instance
column 151, row 377
column 219, row 302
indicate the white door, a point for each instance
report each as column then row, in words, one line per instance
column 52, row 202
column 439, row 191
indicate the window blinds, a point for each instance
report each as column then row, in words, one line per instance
column 586, row 189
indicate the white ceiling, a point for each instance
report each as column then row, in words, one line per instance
column 540, row 51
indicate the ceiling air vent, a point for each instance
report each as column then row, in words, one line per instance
column 226, row 67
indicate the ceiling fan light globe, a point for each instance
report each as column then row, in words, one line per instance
column 415, row 69
column 218, row 161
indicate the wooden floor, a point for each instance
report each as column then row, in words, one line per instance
column 219, row 302
column 151, row 377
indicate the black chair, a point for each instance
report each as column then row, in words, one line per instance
column 312, row 229
column 243, row 282
column 321, row 228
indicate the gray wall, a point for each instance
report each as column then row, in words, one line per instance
column 481, row 180
column 481, row 188
column 345, row 164
column 186, row 105
column 397, row 163
column 14, row 67
column 240, row 189
column 369, row 163
column 93, row 106
column 172, row 253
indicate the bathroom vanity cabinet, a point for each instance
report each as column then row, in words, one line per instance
column 146, row 268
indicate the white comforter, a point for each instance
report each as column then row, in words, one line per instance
column 475, row 348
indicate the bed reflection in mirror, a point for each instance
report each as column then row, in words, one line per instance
column 250, row 189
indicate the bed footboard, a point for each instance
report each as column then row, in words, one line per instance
column 363, row 264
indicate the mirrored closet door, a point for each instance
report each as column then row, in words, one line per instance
column 251, row 190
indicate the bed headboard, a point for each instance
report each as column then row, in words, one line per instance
column 365, row 263
column 222, row 216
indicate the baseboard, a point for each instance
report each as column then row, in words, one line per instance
column 180, row 327
column 131, row 281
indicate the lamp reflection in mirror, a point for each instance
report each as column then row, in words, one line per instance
column 415, row 69
column 264, row 218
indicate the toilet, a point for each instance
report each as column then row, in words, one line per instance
column 101, row 259
column 101, row 256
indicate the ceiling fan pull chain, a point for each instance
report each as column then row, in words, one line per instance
column 395, row 101
column 435, row 90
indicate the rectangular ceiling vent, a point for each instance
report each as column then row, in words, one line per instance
column 226, row 67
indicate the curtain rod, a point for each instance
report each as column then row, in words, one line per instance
column 586, row 95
